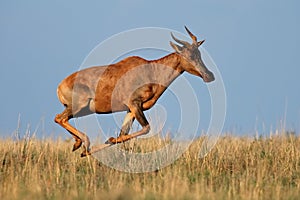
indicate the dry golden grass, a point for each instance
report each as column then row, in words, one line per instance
column 236, row 168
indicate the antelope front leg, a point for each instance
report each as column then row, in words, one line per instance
column 95, row 149
column 127, row 123
column 124, row 138
column 137, row 113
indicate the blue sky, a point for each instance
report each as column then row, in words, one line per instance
column 255, row 45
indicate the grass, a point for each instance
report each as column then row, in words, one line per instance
column 236, row 168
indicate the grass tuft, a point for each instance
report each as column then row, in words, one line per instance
column 236, row 168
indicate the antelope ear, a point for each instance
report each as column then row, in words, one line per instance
column 177, row 48
column 200, row 42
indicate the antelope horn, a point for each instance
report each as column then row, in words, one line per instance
column 179, row 41
column 194, row 38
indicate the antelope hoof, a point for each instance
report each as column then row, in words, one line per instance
column 85, row 153
column 77, row 145
column 120, row 139
column 111, row 140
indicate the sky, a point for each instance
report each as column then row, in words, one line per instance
column 255, row 45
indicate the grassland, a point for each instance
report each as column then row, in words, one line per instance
column 236, row 168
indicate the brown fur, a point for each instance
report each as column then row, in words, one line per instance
column 133, row 85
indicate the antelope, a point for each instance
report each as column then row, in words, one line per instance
column 132, row 85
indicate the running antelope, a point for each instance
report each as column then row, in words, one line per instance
column 133, row 85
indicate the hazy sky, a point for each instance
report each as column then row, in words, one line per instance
column 255, row 45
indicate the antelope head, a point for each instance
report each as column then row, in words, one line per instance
column 191, row 57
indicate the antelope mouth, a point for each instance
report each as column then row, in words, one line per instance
column 208, row 77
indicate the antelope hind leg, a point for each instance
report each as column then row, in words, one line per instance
column 62, row 119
